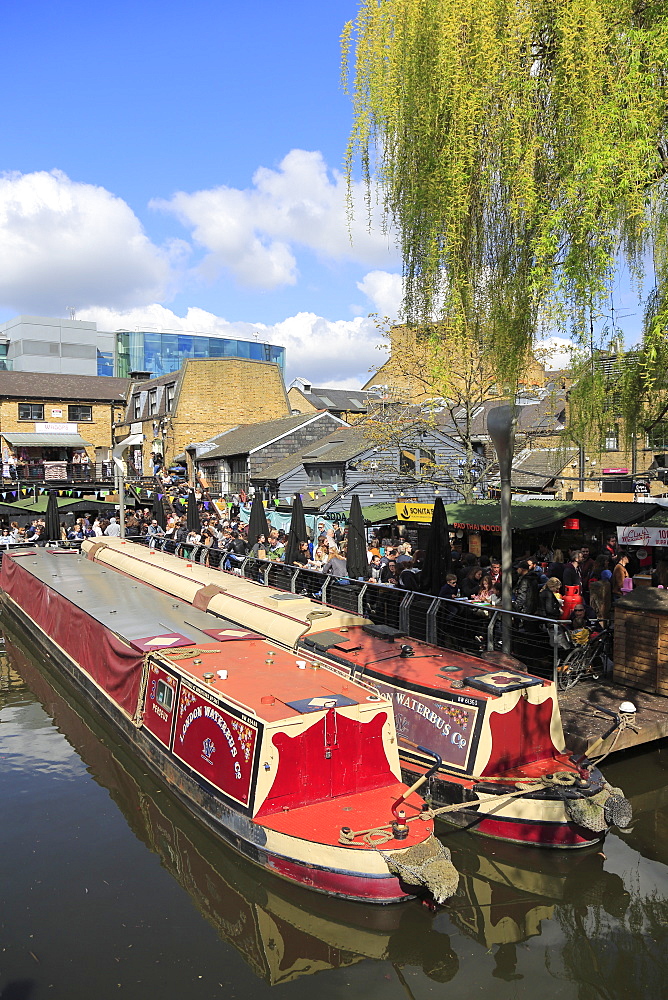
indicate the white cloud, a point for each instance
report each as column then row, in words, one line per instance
column 255, row 233
column 554, row 352
column 65, row 243
column 329, row 352
column 385, row 291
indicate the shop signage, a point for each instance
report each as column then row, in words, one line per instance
column 46, row 428
column 641, row 487
column 614, row 472
column 56, row 413
column 572, row 524
column 415, row 511
column 639, row 535
column 476, row 527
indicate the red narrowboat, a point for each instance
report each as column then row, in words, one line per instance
column 490, row 733
column 287, row 759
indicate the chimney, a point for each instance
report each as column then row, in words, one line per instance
column 141, row 376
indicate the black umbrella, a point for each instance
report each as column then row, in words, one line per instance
column 52, row 519
column 357, row 563
column 159, row 511
column 437, row 557
column 193, row 522
column 297, row 531
column 257, row 525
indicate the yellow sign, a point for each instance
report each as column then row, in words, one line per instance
column 415, row 512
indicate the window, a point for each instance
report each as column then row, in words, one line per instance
column 321, row 475
column 152, row 402
column 612, row 438
column 407, row 462
column 657, row 437
column 77, row 413
column 137, row 407
column 31, row 411
column 417, row 461
column 165, row 696
column 169, row 397
column 41, row 348
column 427, row 458
column 82, row 351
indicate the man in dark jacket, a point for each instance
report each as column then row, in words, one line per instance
column 572, row 571
column 525, row 592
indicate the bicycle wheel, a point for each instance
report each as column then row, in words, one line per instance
column 571, row 670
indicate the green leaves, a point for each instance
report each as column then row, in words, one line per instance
column 516, row 143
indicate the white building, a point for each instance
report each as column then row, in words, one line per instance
column 56, row 346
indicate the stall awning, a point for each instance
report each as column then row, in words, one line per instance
column 24, row 440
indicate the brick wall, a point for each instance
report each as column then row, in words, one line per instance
column 214, row 396
column 97, row 431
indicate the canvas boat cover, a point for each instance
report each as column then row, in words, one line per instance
column 104, row 621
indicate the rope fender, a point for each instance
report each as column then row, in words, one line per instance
column 426, row 864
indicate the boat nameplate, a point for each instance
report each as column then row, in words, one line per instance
column 217, row 743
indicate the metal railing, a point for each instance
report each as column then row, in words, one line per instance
column 459, row 625
column 24, row 474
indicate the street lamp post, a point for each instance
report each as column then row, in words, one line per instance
column 501, row 427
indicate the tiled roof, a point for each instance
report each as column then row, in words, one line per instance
column 247, row 437
column 534, row 469
column 336, row 447
column 43, row 385
column 544, row 416
column 340, row 400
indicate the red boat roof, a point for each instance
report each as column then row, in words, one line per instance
column 268, row 682
column 427, row 668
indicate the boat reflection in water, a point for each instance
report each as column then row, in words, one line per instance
column 506, row 893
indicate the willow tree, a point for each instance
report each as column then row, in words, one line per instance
column 519, row 148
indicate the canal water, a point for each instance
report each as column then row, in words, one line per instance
column 108, row 889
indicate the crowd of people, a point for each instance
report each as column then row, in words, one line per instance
column 591, row 581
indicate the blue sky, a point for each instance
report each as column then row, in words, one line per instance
column 179, row 166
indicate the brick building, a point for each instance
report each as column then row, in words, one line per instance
column 205, row 397
column 57, row 427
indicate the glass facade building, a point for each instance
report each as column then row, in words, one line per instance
column 162, row 353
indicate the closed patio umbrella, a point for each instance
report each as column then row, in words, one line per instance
column 159, row 511
column 51, row 519
column 357, row 563
column 437, row 557
column 257, row 524
column 297, row 531
column 193, row 521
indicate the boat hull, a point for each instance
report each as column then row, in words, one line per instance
column 348, row 873
column 533, row 821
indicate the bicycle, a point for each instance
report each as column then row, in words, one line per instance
column 588, row 661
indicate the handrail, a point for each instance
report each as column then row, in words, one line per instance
column 436, row 620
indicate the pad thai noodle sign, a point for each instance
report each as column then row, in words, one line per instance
column 639, row 535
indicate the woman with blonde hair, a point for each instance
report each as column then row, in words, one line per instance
column 550, row 599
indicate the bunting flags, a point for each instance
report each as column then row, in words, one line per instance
column 311, row 493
